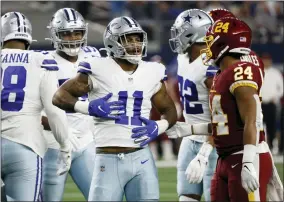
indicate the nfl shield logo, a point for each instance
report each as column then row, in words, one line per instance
column 130, row 80
column 103, row 169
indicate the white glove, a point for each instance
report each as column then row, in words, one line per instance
column 249, row 178
column 180, row 129
column 196, row 168
column 64, row 159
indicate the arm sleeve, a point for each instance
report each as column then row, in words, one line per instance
column 56, row 117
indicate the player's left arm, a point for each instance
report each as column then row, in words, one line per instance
column 165, row 106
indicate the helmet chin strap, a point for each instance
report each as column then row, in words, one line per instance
column 71, row 51
column 133, row 61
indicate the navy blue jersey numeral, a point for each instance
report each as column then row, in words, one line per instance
column 89, row 49
column 42, row 51
column 186, row 99
column 138, row 99
column 13, row 81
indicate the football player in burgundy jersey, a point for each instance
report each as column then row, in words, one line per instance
column 236, row 115
column 274, row 188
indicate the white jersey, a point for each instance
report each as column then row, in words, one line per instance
column 136, row 90
column 193, row 91
column 28, row 84
column 79, row 124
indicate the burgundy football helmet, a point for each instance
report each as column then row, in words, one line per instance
column 219, row 13
column 227, row 35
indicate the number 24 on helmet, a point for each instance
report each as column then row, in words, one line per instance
column 227, row 35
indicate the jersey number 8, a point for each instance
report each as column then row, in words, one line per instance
column 13, row 82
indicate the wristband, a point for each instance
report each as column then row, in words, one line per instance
column 249, row 153
column 206, row 149
column 162, row 126
column 199, row 129
column 82, row 107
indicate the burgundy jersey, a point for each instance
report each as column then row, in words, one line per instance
column 254, row 59
column 227, row 125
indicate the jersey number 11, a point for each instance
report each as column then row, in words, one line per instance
column 138, row 99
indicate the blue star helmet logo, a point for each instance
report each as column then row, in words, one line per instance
column 187, row 18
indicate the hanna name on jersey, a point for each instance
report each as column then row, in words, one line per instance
column 15, row 58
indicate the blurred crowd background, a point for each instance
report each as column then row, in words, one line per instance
column 265, row 19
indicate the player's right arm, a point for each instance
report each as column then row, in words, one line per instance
column 66, row 97
column 57, row 118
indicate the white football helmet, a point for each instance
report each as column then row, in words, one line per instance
column 189, row 27
column 15, row 25
column 116, row 32
column 68, row 20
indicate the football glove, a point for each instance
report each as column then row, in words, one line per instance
column 103, row 109
column 196, row 168
column 64, row 159
column 145, row 134
column 249, row 176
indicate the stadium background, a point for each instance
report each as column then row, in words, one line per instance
column 265, row 18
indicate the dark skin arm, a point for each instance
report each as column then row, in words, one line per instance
column 165, row 105
column 208, row 82
column 247, row 109
column 44, row 122
column 67, row 94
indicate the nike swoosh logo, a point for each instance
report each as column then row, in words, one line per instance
column 142, row 162
column 156, row 127
column 247, row 167
column 234, row 165
column 101, row 109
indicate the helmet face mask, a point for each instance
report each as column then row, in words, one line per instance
column 125, row 39
column 63, row 27
column 189, row 27
column 132, row 44
column 16, row 26
column 226, row 35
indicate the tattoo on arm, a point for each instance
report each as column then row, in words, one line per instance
column 67, row 94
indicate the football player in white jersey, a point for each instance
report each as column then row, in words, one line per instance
column 195, row 81
column 28, row 84
column 68, row 33
column 121, row 165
